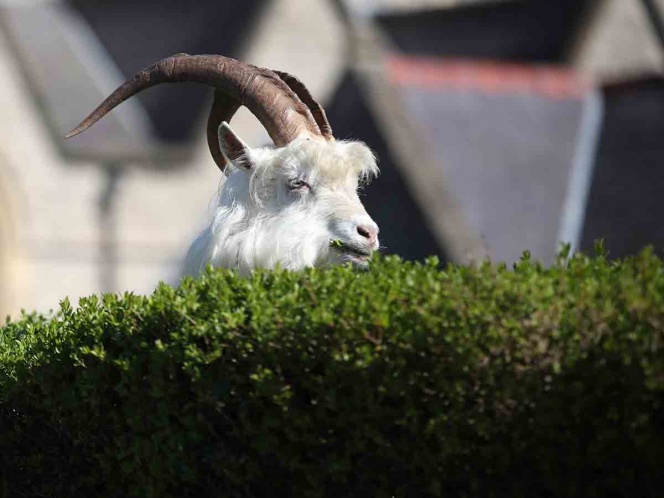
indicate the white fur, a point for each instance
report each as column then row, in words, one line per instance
column 260, row 222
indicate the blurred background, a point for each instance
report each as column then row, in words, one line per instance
column 500, row 126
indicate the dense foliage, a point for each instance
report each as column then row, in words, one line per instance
column 407, row 380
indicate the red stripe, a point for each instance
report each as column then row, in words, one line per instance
column 490, row 77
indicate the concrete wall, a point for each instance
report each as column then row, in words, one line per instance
column 56, row 236
column 12, row 281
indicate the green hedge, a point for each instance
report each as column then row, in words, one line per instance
column 408, row 380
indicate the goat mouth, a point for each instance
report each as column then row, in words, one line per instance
column 358, row 256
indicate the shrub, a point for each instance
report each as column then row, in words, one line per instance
column 407, row 380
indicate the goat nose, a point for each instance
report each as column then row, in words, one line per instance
column 367, row 231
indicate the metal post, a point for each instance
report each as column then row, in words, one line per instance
column 108, row 243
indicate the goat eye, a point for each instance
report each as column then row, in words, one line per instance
column 297, row 184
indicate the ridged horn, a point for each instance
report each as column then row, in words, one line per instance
column 262, row 91
column 223, row 109
column 305, row 96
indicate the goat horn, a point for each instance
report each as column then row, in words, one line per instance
column 263, row 92
column 305, row 96
column 223, row 109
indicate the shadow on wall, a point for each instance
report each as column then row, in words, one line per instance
column 149, row 30
column 523, row 31
column 626, row 206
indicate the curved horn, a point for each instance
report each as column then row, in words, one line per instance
column 305, row 96
column 223, row 109
column 263, row 92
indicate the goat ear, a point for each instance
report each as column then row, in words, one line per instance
column 233, row 147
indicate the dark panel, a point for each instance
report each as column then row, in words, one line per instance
column 140, row 32
column 537, row 30
column 403, row 230
column 626, row 204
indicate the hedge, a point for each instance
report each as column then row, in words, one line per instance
column 411, row 379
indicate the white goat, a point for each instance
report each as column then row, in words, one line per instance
column 296, row 204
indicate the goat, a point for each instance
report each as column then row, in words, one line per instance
column 295, row 204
